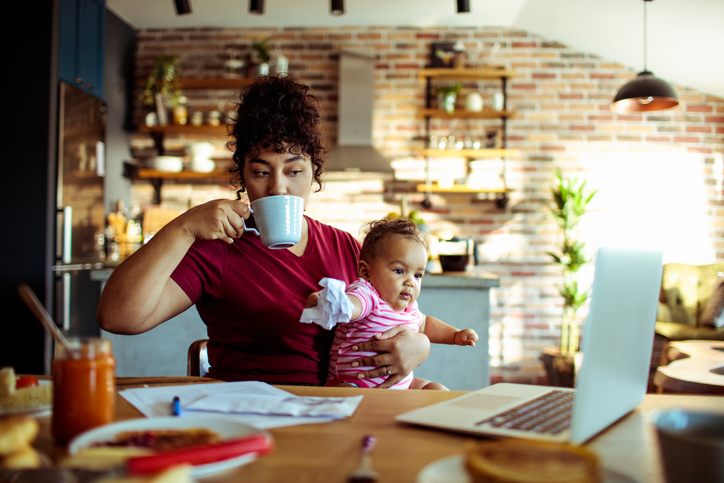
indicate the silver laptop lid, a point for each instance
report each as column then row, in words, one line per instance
column 617, row 339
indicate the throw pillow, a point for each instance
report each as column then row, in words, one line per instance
column 713, row 315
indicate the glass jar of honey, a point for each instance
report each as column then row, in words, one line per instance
column 84, row 387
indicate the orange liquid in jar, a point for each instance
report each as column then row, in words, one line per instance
column 84, row 388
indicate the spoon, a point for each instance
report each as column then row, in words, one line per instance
column 364, row 472
column 28, row 296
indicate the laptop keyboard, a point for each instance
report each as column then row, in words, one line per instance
column 548, row 414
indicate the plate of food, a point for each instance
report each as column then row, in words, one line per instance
column 112, row 444
column 24, row 394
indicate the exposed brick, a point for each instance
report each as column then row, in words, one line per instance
column 561, row 97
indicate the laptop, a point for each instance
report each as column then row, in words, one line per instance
column 612, row 379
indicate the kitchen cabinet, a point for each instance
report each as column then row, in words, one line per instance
column 431, row 114
column 81, row 44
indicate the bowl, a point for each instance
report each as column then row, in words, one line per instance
column 454, row 263
column 171, row 164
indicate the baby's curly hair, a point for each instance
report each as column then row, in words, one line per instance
column 380, row 231
column 274, row 110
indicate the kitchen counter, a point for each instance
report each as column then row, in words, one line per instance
column 461, row 299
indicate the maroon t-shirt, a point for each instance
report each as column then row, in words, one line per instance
column 251, row 299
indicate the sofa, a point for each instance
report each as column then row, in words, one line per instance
column 690, row 306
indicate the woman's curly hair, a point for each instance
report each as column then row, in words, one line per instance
column 379, row 232
column 273, row 111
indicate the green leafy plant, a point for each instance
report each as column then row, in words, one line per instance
column 162, row 80
column 448, row 95
column 570, row 204
column 262, row 55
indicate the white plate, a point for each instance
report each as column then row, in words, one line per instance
column 452, row 470
column 37, row 411
column 446, row 470
column 226, row 427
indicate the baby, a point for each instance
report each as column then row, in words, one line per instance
column 392, row 264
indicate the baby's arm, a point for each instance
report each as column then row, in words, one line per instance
column 356, row 304
column 441, row 333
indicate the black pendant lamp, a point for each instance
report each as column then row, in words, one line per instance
column 183, row 7
column 463, row 6
column 256, row 7
column 646, row 92
column 336, row 7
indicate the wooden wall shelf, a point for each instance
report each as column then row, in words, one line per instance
column 469, row 153
column 463, row 114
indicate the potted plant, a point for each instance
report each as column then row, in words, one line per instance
column 570, row 204
column 260, row 56
column 162, row 88
column 447, row 95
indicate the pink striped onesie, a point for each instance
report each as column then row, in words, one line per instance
column 376, row 318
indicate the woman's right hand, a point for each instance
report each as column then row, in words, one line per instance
column 218, row 219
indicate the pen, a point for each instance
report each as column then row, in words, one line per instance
column 176, row 406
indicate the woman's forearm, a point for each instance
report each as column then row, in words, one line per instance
column 137, row 296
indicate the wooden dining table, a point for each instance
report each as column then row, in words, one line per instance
column 329, row 452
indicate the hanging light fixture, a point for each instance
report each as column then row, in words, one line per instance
column 337, row 7
column 645, row 92
column 256, row 7
column 463, row 6
column 182, row 6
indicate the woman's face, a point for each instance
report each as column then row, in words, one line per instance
column 271, row 174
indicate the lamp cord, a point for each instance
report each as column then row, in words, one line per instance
column 645, row 34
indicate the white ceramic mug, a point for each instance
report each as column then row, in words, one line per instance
column 278, row 220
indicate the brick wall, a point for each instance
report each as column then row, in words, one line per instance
column 660, row 175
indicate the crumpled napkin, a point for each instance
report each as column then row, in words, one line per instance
column 304, row 406
column 333, row 306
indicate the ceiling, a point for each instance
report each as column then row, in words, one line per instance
column 685, row 37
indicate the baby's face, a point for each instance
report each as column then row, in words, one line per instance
column 397, row 272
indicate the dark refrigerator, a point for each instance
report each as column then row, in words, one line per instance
column 80, row 216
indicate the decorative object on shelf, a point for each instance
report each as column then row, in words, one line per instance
column 493, row 138
column 498, row 101
column 214, row 118
column 570, row 204
column 645, row 93
column 447, row 96
column 260, row 57
column 459, row 55
column 234, row 64
column 281, row 64
column 474, row 102
column 162, row 89
column 442, row 54
column 200, row 154
column 180, row 113
column 197, row 118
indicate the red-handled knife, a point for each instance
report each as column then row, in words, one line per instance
column 199, row 455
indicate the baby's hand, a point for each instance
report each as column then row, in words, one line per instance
column 312, row 300
column 466, row 337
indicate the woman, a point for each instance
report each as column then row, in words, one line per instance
column 251, row 297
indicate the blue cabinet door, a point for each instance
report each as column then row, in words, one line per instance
column 82, row 44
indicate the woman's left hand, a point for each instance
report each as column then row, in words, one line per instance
column 399, row 351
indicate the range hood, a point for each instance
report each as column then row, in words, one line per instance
column 354, row 156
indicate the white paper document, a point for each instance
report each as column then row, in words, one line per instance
column 157, row 402
column 300, row 406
